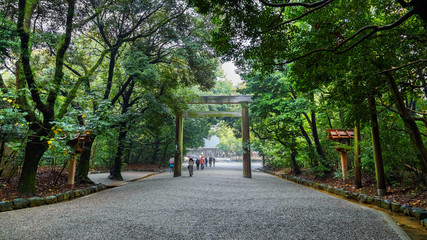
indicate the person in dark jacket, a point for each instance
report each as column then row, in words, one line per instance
column 212, row 159
column 197, row 163
column 190, row 166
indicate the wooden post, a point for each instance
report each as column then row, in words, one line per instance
column 179, row 130
column 181, row 145
column 357, row 167
column 344, row 164
column 71, row 172
column 247, row 172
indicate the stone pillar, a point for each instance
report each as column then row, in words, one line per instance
column 247, row 173
column 179, row 130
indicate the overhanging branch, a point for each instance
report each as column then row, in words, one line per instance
column 403, row 66
column 374, row 28
column 301, row 16
column 293, row 4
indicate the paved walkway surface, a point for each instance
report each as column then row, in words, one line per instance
column 216, row 203
column 128, row 176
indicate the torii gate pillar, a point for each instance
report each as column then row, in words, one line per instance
column 179, row 136
column 247, row 173
column 243, row 100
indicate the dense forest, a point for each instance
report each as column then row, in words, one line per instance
column 120, row 69
column 316, row 65
column 123, row 69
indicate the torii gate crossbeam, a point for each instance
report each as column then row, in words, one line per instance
column 243, row 100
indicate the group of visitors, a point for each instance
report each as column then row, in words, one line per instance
column 200, row 162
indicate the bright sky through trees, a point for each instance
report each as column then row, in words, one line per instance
column 230, row 72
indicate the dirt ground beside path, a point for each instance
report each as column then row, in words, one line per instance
column 51, row 181
column 48, row 182
column 403, row 195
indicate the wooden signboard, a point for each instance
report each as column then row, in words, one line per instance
column 77, row 143
column 342, row 136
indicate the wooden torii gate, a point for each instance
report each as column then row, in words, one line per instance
column 243, row 100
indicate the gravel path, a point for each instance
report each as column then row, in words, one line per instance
column 216, row 203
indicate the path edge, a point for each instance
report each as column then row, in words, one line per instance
column 418, row 214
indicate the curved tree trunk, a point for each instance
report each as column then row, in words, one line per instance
column 411, row 125
column 313, row 157
column 319, row 147
column 313, row 126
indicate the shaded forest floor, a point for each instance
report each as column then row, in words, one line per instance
column 404, row 195
column 51, row 181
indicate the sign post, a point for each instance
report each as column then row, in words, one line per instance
column 342, row 136
column 77, row 143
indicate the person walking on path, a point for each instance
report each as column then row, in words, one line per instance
column 212, row 159
column 206, row 161
column 202, row 162
column 171, row 162
column 197, row 164
column 190, row 166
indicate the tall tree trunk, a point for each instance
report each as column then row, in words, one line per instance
column 379, row 167
column 115, row 172
column 295, row 166
column 113, row 55
column 34, row 150
column 319, row 147
column 313, row 126
column 411, row 125
column 313, row 157
column 2, row 84
column 330, row 122
column 263, row 160
column 357, row 167
column 423, row 83
column 35, row 147
column 82, row 171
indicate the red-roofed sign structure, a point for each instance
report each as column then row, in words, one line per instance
column 342, row 136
